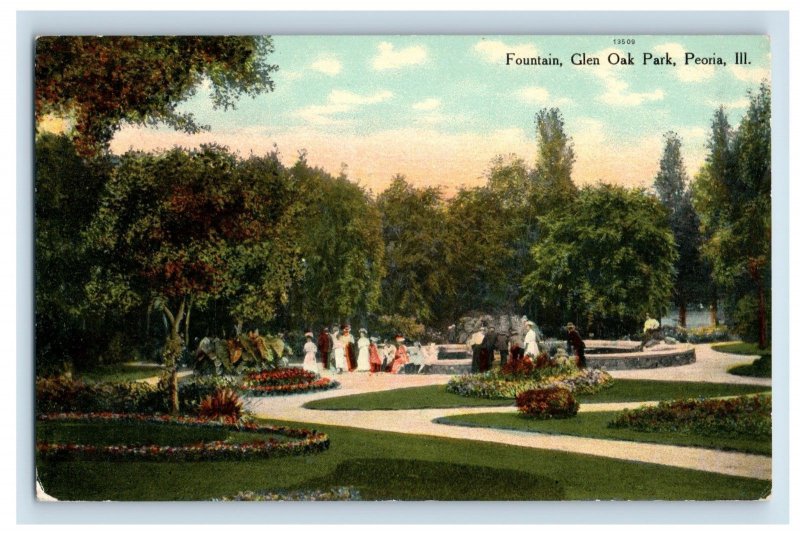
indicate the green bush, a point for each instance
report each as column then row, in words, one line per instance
column 546, row 403
column 761, row 367
column 743, row 415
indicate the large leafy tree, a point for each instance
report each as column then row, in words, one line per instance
column 67, row 192
column 605, row 263
column 670, row 185
column 100, row 83
column 342, row 251
column 733, row 199
column 178, row 229
column 414, row 235
column 555, row 157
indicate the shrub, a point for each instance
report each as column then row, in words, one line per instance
column 223, row 405
column 761, row 367
column 61, row 394
column 546, row 403
column 191, row 392
column 743, row 415
column 497, row 385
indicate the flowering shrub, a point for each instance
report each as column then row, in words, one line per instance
column 304, row 442
column 743, row 415
column 511, row 381
column 222, row 405
column 285, row 381
column 699, row 335
column 545, row 403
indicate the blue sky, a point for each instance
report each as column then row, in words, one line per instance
column 438, row 108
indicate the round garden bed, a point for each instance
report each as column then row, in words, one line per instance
column 284, row 381
column 267, row 441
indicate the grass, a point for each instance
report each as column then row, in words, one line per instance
column 115, row 373
column 594, row 424
column 741, row 348
column 623, row 390
column 761, row 367
column 386, row 466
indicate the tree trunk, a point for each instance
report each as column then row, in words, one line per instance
column 713, row 310
column 682, row 313
column 172, row 351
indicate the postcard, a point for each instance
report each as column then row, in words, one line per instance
column 403, row 267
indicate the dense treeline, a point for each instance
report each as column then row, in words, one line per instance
column 148, row 252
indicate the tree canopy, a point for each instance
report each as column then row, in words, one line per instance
column 99, row 83
column 607, row 263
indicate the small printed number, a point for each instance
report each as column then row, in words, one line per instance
column 624, row 41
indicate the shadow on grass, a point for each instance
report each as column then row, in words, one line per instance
column 409, row 479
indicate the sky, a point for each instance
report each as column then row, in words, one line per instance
column 438, row 109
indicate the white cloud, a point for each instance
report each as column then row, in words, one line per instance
column 495, row 51
column 427, row 104
column 327, row 65
column 540, row 96
column 289, row 75
column 685, row 73
column 389, row 58
column 618, row 92
column 339, row 101
column 750, row 74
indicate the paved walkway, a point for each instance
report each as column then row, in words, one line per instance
column 711, row 366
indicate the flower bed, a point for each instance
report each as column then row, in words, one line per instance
column 284, row 381
column 546, row 403
column 335, row 494
column 529, row 374
column 743, row 415
column 305, row 441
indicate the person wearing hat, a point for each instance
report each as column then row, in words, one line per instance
column 310, row 349
column 400, row 355
column 531, row 347
column 487, row 350
column 363, row 351
column 577, row 343
column 501, row 345
column 476, row 342
column 339, row 360
column 375, row 360
column 349, row 345
column 325, row 347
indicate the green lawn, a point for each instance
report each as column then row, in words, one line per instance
column 114, row 373
column 386, row 466
column 623, row 390
column 741, row 348
column 594, row 424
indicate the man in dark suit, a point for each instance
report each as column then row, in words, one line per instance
column 325, row 344
column 577, row 343
column 487, row 350
column 501, row 345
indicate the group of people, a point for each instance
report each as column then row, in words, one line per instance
column 485, row 342
column 340, row 352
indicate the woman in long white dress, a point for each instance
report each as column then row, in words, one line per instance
column 310, row 349
column 362, row 364
column 339, row 358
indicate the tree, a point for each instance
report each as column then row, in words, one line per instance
column 178, row 229
column 341, row 248
column 608, row 261
column 554, row 159
column 733, row 199
column 100, row 83
column 414, row 235
column 670, row 186
column 67, row 190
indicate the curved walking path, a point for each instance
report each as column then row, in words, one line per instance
column 711, row 366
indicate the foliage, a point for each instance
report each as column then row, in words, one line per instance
column 697, row 335
column 61, row 394
column 743, row 415
column 692, row 274
column 333, row 494
column 179, row 229
column 554, row 159
column 733, row 198
column 550, row 402
column 223, row 405
column 102, row 82
column 609, row 259
column 496, row 384
column 390, row 325
column 741, row 348
column 415, row 241
column 285, row 381
column 305, row 441
column 246, row 352
column 342, row 251
column 761, row 367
